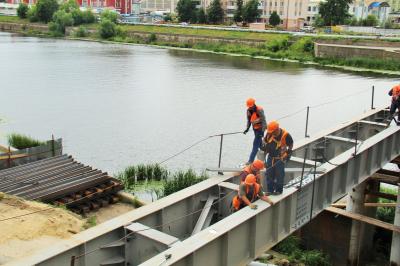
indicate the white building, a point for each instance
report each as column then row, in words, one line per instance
column 312, row 11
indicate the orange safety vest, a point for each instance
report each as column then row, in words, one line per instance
column 280, row 144
column 254, row 117
column 251, row 195
column 395, row 92
column 248, row 171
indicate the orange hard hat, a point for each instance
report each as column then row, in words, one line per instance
column 396, row 89
column 258, row 164
column 250, row 179
column 272, row 126
column 250, row 102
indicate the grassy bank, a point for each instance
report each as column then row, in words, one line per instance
column 20, row 141
column 275, row 46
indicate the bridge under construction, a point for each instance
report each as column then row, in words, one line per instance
column 195, row 226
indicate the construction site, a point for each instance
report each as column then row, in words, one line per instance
column 330, row 199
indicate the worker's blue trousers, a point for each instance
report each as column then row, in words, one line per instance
column 258, row 135
column 274, row 175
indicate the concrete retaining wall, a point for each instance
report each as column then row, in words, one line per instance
column 360, row 42
column 332, row 51
column 17, row 27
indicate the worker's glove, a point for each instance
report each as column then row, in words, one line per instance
column 245, row 132
column 271, row 203
column 253, row 206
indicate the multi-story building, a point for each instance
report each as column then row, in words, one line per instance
column 380, row 9
column 312, row 11
column 293, row 13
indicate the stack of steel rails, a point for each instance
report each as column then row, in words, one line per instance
column 61, row 180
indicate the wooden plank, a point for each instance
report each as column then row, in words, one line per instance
column 388, row 179
column 383, row 195
column 16, row 156
column 367, row 204
column 365, row 219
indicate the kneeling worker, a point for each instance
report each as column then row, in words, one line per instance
column 255, row 169
column 278, row 144
column 249, row 192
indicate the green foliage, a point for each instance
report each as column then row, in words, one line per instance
column 315, row 258
column 201, row 16
column 61, row 20
column 46, row 9
column 167, row 18
column 303, row 45
column 186, row 10
column 334, row 12
column 319, row 21
column 22, row 10
column 215, row 13
column 287, row 246
column 384, row 213
column 109, row 15
column 238, row 15
column 181, row 180
column 88, row 17
column 90, row 222
column 81, row 32
column 152, row 38
column 278, row 44
column 370, row 21
column 107, row 29
column 251, row 12
column 361, row 62
column 69, row 6
column 121, row 32
column 132, row 175
column 32, row 14
column 20, row 141
column 274, row 19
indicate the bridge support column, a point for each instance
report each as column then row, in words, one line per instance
column 395, row 252
column 355, row 204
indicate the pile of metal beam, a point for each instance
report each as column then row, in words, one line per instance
column 61, row 180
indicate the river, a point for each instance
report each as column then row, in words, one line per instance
column 116, row 105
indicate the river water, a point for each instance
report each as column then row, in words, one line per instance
column 116, row 105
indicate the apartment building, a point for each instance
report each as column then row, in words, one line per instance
column 293, row 13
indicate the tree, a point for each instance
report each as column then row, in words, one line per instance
column 251, row 12
column 334, row 12
column 238, row 16
column 32, row 14
column 88, row 16
column 107, row 29
column 201, row 16
column 61, row 20
column 215, row 12
column 22, row 10
column 274, row 19
column 318, row 22
column 46, row 9
column 69, row 6
column 109, row 15
column 186, row 10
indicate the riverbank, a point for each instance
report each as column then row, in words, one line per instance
column 266, row 46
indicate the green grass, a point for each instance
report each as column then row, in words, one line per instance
column 13, row 19
column 386, row 214
column 20, row 141
column 90, row 222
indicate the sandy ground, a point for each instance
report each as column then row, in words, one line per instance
column 23, row 235
column 111, row 211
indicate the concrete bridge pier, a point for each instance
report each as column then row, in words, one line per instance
column 395, row 251
column 355, row 204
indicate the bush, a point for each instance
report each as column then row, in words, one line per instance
column 303, row 45
column 152, row 38
column 46, row 9
column 20, row 141
column 88, row 17
column 121, row 32
column 22, row 10
column 32, row 14
column 278, row 44
column 109, row 15
column 77, row 16
column 61, row 20
column 107, row 29
column 81, row 32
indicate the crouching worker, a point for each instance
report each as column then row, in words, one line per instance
column 255, row 169
column 395, row 93
column 249, row 192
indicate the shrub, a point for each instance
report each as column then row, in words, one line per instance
column 305, row 44
column 121, row 32
column 109, row 15
column 32, row 14
column 77, row 16
column 107, row 29
column 88, row 17
column 278, row 44
column 81, row 32
column 46, row 9
column 288, row 246
column 20, row 141
column 22, row 10
column 61, row 20
column 152, row 38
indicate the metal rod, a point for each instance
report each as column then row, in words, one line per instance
column 226, row 134
column 308, row 113
column 52, row 145
column 302, row 168
column 355, row 145
column 372, row 98
column 313, row 190
column 9, row 157
column 220, row 153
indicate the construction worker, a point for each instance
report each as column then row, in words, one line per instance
column 395, row 93
column 255, row 118
column 255, row 169
column 278, row 144
column 249, row 192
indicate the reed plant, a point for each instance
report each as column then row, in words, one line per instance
column 20, row 141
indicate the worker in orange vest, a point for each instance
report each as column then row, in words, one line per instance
column 249, row 192
column 395, row 93
column 255, row 169
column 255, row 118
column 278, row 144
